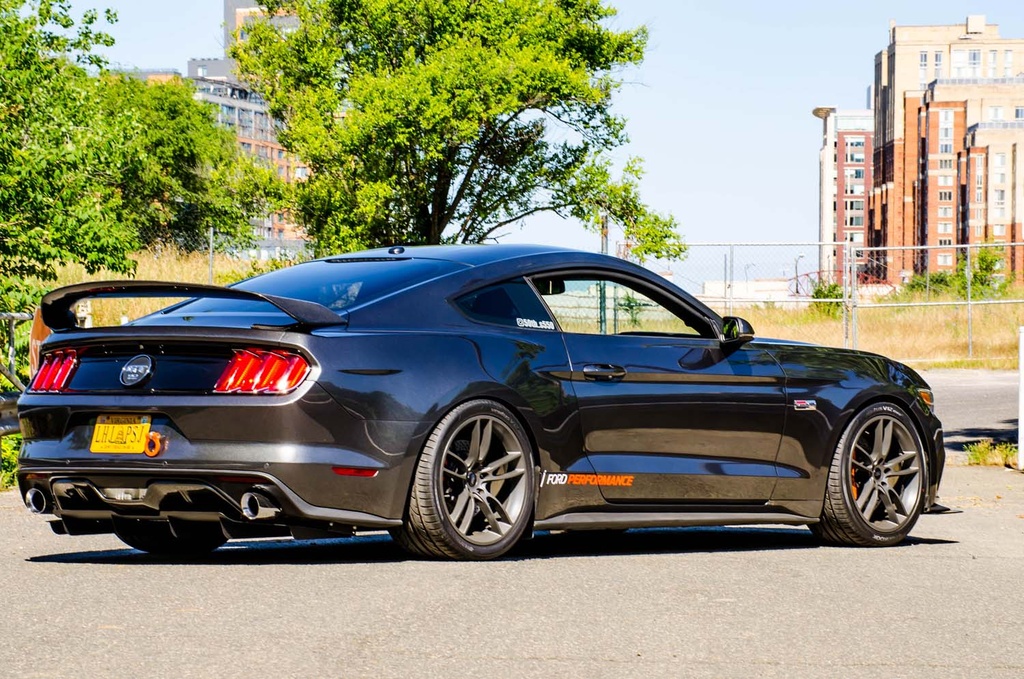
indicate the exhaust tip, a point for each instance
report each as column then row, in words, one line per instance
column 36, row 501
column 256, row 506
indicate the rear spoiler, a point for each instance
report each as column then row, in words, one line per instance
column 58, row 315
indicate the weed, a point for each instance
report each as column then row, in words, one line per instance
column 992, row 453
column 9, row 447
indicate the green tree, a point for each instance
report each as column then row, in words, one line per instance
column 94, row 166
column 183, row 174
column 430, row 121
column 53, row 150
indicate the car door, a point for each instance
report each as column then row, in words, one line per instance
column 669, row 415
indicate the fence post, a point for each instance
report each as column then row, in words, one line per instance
column 969, row 274
column 846, row 294
column 1020, row 397
column 732, row 266
column 211, row 255
column 853, row 307
column 10, row 345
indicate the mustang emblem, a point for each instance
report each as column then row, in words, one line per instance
column 136, row 370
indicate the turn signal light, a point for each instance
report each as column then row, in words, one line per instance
column 56, row 371
column 256, row 371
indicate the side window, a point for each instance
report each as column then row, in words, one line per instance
column 594, row 306
column 513, row 304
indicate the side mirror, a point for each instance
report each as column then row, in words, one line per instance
column 736, row 331
column 549, row 286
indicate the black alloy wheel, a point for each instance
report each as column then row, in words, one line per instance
column 473, row 491
column 876, row 483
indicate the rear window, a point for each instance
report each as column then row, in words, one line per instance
column 336, row 284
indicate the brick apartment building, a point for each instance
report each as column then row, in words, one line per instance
column 946, row 102
column 245, row 112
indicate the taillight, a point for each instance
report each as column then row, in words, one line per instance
column 256, row 371
column 55, row 371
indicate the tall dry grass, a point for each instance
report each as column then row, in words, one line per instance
column 931, row 336
column 167, row 266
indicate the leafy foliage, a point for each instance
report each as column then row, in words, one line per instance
column 446, row 121
column 94, row 166
column 985, row 278
column 53, row 147
column 9, row 447
column 827, row 290
column 183, row 173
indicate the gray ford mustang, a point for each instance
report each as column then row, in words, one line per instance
column 460, row 397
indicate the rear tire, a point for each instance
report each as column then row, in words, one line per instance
column 157, row 537
column 877, row 480
column 473, row 490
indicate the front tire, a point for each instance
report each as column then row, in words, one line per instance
column 877, row 480
column 473, row 490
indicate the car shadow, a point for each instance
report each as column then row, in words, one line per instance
column 379, row 548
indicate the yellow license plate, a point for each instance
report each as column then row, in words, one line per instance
column 120, row 434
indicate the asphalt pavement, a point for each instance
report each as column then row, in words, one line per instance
column 728, row 602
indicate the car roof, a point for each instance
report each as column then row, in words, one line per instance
column 469, row 255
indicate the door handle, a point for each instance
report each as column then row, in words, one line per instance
column 603, row 372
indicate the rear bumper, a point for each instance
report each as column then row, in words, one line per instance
column 93, row 500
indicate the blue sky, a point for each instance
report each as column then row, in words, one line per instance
column 720, row 110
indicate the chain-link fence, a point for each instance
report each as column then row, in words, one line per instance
column 942, row 303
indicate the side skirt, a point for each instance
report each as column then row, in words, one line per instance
column 600, row 520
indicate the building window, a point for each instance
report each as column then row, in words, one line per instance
column 857, row 237
column 945, row 211
column 946, row 116
column 857, row 205
column 945, row 241
column 945, row 196
column 945, row 147
column 979, row 195
column 945, row 133
column 855, row 142
column 979, row 230
column 999, row 229
column 1018, row 113
column 945, row 260
column 995, row 113
column 993, row 57
column 945, row 227
column 938, row 65
column 946, row 164
column 945, row 180
column 999, row 196
column 959, row 63
column 999, row 178
column 999, row 160
column 855, row 220
column 201, row 71
column 974, row 64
